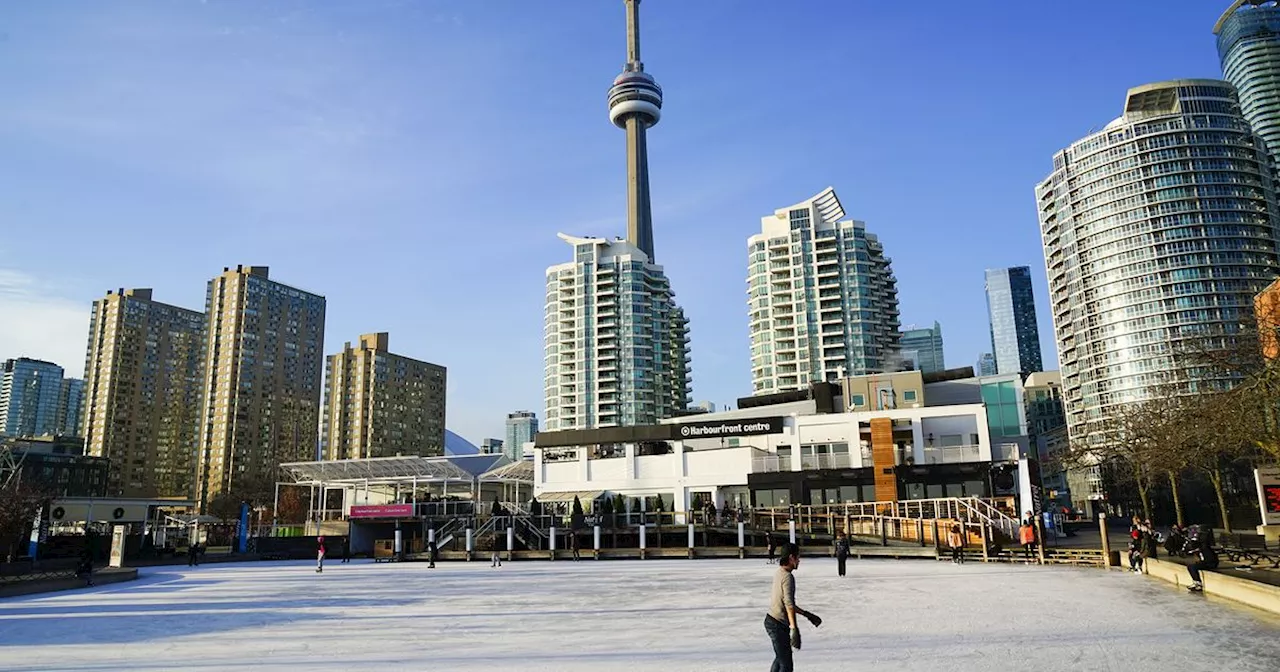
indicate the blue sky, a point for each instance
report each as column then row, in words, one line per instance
column 413, row 160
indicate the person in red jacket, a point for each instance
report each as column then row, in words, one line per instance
column 319, row 554
column 1027, row 536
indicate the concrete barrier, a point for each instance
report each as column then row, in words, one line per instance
column 1258, row 595
column 101, row 577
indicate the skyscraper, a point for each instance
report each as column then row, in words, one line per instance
column 380, row 404
column 821, row 298
column 263, row 364
column 521, row 428
column 29, row 392
column 986, row 364
column 923, row 348
column 1249, row 50
column 144, row 367
column 70, row 405
column 1011, row 308
column 1158, row 231
column 491, row 447
column 616, row 343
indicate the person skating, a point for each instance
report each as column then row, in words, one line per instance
column 575, row 546
column 319, row 554
column 1135, row 546
column 842, row 553
column 1200, row 549
column 433, row 553
column 346, row 550
column 780, row 622
column 955, row 539
column 496, row 560
column 771, row 548
column 193, row 553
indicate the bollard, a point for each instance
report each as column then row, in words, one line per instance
column 691, row 541
column 553, row 543
column 1106, row 541
column 399, row 547
column 431, row 536
column 642, row 540
column 470, row 540
column 793, row 531
column 742, row 535
column 511, row 542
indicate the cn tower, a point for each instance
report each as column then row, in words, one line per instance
column 635, row 104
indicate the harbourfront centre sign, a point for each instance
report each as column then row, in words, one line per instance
column 745, row 427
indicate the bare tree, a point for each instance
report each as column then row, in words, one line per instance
column 1128, row 445
column 20, row 502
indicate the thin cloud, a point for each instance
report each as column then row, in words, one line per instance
column 35, row 323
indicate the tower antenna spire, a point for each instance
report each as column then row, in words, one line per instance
column 633, row 36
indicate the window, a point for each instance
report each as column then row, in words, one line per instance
column 908, row 395
column 858, row 401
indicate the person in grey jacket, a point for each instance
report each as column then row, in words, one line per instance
column 780, row 622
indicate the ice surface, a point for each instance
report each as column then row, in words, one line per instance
column 631, row 615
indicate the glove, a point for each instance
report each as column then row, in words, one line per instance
column 814, row 619
column 795, row 638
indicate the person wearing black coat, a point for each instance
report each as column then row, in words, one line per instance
column 842, row 553
column 433, row 553
column 1200, row 549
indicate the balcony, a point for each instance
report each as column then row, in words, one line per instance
column 952, row 454
column 762, row 464
column 826, row 461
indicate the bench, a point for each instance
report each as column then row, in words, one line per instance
column 1251, row 548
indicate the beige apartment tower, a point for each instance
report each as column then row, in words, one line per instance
column 264, row 355
column 380, row 404
column 141, row 406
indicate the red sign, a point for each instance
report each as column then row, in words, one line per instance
column 1271, row 495
column 381, row 511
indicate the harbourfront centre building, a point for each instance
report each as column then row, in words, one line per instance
column 878, row 437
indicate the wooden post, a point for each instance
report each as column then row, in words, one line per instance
column 937, row 546
column 1106, row 542
column 920, row 530
column 884, row 532
column 986, row 556
column 1040, row 538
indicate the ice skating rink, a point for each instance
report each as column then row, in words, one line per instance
column 629, row 615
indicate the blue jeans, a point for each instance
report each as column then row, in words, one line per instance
column 780, row 635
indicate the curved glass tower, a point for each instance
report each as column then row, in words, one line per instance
column 1158, row 230
column 1249, row 49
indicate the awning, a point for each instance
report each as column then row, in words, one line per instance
column 582, row 495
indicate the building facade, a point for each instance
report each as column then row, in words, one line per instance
column 883, row 437
column 616, row 342
column 1158, row 231
column 70, row 407
column 821, row 298
column 923, row 348
column 144, row 367
column 1011, row 309
column 57, row 464
column 1248, row 35
column 264, row 358
column 522, row 426
column 29, row 393
column 380, row 404
column 491, row 447
column 986, row 364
